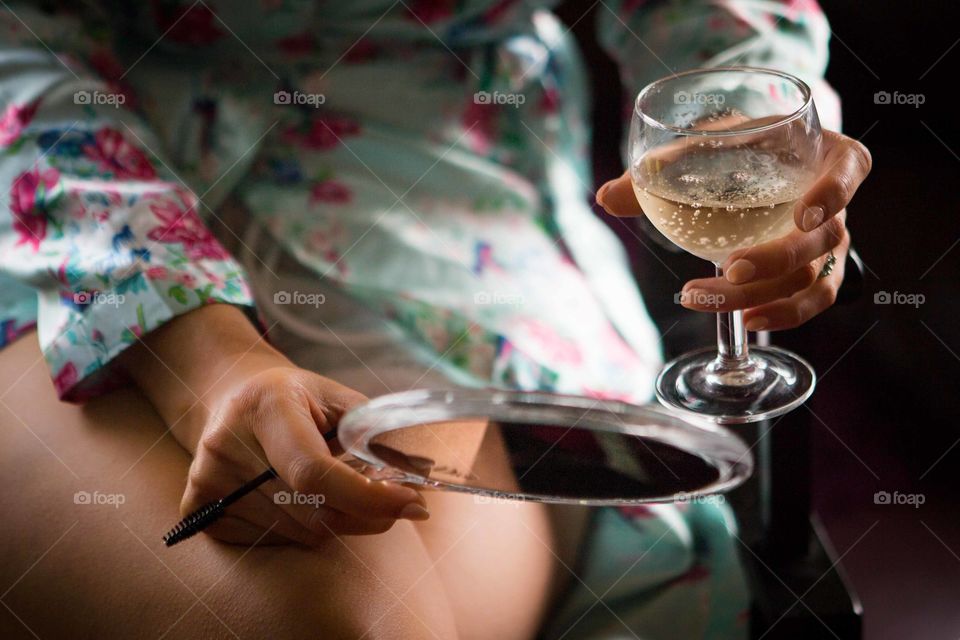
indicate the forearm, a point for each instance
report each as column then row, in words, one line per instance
column 184, row 365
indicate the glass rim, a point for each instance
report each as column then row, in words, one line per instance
column 800, row 111
column 716, row 445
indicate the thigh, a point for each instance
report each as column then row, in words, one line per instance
column 492, row 555
column 87, row 494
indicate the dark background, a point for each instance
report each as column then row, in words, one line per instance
column 886, row 413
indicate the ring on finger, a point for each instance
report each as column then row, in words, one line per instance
column 828, row 265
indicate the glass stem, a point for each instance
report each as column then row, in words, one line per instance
column 731, row 338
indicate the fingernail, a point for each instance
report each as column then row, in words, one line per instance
column 602, row 191
column 406, row 494
column 414, row 511
column 419, row 499
column 812, row 217
column 740, row 271
column 600, row 195
column 756, row 324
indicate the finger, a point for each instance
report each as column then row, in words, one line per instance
column 210, row 480
column 847, row 164
column 259, row 511
column 785, row 255
column 618, row 199
column 337, row 400
column 716, row 294
column 246, row 525
column 337, row 523
column 314, row 520
column 300, row 456
column 617, row 196
column 287, row 519
column 799, row 308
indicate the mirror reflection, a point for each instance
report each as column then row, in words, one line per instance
column 543, row 460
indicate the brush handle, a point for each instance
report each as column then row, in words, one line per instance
column 269, row 474
column 198, row 520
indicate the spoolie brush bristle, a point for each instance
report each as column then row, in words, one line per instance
column 194, row 523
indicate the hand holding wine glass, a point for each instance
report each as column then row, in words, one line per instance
column 779, row 289
column 731, row 165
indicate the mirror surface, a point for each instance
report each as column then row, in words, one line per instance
column 550, row 460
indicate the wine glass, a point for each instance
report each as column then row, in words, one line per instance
column 718, row 158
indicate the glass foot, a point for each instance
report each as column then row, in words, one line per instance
column 772, row 382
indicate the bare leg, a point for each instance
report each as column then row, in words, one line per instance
column 100, row 570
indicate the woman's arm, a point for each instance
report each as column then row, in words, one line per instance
column 99, row 244
column 652, row 39
column 185, row 366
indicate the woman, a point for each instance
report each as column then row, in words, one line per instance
column 428, row 162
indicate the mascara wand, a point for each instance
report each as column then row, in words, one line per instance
column 209, row 513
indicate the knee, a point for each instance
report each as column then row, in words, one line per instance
column 333, row 594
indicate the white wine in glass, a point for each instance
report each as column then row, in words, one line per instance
column 718, row 159
column 715, row 202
